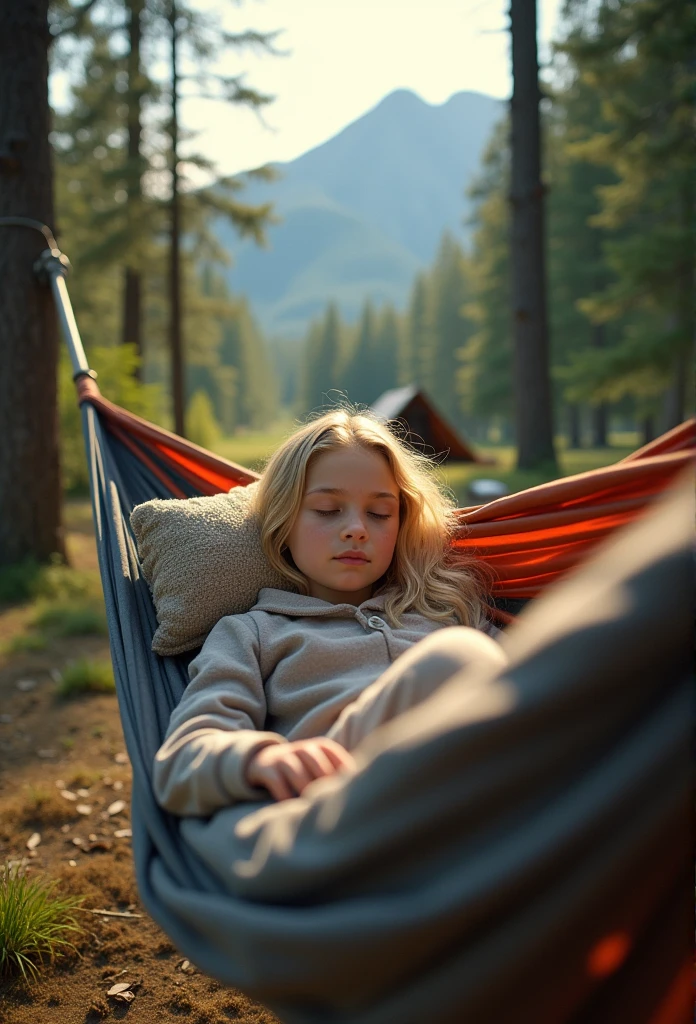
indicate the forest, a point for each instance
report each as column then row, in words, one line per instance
column 618, row 158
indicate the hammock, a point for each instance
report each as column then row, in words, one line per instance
column 560, row 898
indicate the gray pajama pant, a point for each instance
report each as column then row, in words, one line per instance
column 412, row 678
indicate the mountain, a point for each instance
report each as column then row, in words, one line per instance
column 364, row 211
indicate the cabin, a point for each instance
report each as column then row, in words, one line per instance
column 416, row 411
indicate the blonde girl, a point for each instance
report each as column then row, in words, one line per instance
column 281, row 696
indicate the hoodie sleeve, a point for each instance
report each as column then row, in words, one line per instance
column 217, row 726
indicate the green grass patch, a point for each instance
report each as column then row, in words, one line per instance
column 24, row 643
column 86, row 676
column 35, row 923
column 253, row 449
column 30, row 581
column 71, row 620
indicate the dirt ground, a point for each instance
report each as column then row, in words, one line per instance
column 47, row 745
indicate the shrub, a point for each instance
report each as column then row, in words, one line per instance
column 71, row 620
column 29, row 580
column 34, row 922
column 202, row 427
column 86, row 676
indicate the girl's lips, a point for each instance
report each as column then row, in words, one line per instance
column 358, row 560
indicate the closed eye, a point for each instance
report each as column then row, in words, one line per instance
column 335, row 511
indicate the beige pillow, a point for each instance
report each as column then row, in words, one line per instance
column 203, row 559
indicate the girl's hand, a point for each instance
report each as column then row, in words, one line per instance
column 285, row 769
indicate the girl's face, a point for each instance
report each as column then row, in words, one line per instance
column 345, row 532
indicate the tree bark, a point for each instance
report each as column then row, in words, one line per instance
column 175, row 340
column 648, row 428
column 529, row 314
column 574, row 426
column 132, row 284
column 30, row 490
column 600, row 413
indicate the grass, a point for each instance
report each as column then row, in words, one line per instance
column 30, row 581
column 35, row 923
column 74, row 619
column 252, row 450
column 86, row 676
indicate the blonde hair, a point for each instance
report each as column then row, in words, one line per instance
column 426, row 575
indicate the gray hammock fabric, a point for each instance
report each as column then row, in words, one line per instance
column 516, row 856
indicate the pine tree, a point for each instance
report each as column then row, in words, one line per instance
column 485, row 377
column 322, row 359
column 417, row 339
column 639, row 57
column 356, row 378
column 451, row 328
column 385, row 367
column 577, row 267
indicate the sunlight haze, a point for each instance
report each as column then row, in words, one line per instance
column 344, row 59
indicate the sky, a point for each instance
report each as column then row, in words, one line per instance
column 344, row 56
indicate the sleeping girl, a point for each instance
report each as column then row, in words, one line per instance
column 385, row 612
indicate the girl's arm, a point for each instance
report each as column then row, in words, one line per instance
column 217, row 727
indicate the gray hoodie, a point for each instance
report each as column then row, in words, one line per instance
column 282, row 671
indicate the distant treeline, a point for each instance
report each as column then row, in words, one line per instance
column 621, row 252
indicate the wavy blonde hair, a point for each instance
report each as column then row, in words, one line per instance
column 426, row 575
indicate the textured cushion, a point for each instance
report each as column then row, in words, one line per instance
column 203, row 559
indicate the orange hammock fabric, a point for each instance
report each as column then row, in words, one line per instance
column 529, row 539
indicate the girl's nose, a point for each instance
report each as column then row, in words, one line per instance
column 354, row 527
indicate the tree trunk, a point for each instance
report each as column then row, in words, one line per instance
column 529, row 315
column 574, row 426
column 648, row 428
column 175, row 340
column 132, row 285
column 600, row 413
column 30, row 491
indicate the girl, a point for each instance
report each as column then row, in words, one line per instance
column 281, row 695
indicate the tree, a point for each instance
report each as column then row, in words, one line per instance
column 638, row 55
column 322, row 358
column 417, row 341
column 357, row 372
column 134, row 212
column 575, row 270
column 30, row 493
column 451, row 327
column 485, row 376
column 529, row 317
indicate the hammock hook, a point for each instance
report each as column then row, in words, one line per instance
column 51, row 268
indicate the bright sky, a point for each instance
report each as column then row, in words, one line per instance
column 345, row 56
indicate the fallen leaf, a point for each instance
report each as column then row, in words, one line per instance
column 121, row 758
column 65, row 828
column 120, row 986
column 82, row 792
column 118, row 785
column 77, row 841
column 98, row 844
column 68, row 795
column 123, row 833
column 84, row 808
column 33, row 841
column 25, row 685
column 72, row 863
column 116, row 807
